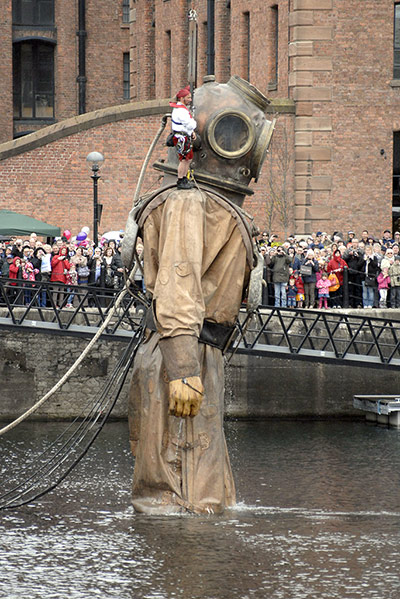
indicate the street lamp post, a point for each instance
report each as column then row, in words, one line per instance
column 94, row 161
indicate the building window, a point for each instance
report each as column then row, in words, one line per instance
column 33, row 12
column 33, row 80
column 273, row 48
column 127, row 77
column 396, row 57
column 125, row 11
column 396, row 181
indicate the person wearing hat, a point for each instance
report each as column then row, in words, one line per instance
column 183, row 126
column 317, row 241
column 350, row 236
column 198, row 257
column 387, row 238
column 5, row 263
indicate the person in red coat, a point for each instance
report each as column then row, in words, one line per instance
column 337, row 265
column 15, row 269
column 15, row 272
column 59, row 268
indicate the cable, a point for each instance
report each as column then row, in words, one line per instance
column 95, row 410
column 71, row 369
column 25, row 492
column 37, row 484
column 128, row 281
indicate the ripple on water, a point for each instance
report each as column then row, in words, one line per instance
column 312, row 522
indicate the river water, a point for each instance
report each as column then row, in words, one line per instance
column 318, row 516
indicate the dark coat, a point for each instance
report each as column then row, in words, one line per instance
column 355, row 262
column 280, row 268
column 312, row 278
column 373, row 268
column 5, row 268
column 36, row 263
column 117, row 263
column 92, row 277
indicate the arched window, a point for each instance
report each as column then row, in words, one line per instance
column 33, row 12
column 33, row 85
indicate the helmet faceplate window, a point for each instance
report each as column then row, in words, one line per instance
column 231, row 134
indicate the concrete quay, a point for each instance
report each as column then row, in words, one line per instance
column 31, row 362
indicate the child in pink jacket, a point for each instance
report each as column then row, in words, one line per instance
column 383, row 285
column 323, row 289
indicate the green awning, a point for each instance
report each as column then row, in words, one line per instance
column 12, row 223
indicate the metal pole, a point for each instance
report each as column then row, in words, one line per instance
column 192, row 64
column 345, row 288
column 81, row 79
column 210, row 37
column 95, row 178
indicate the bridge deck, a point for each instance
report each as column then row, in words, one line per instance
column 335, row 336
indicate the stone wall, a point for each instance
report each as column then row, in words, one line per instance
column 334, row 63
column 6, row 112
column 107, row 39
column 340, row 75
column 31, row 363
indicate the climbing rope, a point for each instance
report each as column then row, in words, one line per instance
column 128, row 281
column 75, row 365
column 45, row 473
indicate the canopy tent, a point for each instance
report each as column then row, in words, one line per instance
column 12, row 223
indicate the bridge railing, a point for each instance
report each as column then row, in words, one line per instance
column 76, row 309
column 321, row 335
column 333, row 335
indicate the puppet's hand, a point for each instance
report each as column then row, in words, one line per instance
column 185, row 396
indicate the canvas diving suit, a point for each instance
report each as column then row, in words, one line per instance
column 198, row 255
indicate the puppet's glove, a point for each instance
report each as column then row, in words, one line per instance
column 185, row 396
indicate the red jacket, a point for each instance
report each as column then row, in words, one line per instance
column 14, row 269
column 337, row 265
column 57, row 269
column 299, row 284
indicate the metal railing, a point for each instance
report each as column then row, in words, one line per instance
column 319, row 335
column 47, row 306
column 322, row 335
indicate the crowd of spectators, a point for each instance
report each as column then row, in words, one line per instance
column 332, row 271
column 318, row 271
column 65, row 266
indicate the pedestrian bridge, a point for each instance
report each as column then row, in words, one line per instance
column 354, row 337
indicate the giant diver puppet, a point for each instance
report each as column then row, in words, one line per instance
column 198, row 257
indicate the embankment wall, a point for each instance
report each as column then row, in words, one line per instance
column 256, row 387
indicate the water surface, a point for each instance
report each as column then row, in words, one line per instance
column 318, row 517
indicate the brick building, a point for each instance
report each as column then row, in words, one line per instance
column 331, row 68
column 59, row 60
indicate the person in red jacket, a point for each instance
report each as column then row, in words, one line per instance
column 337, row 265
column 183, row 126
column 59, row 268
column 15, row 272
column 300, row 289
